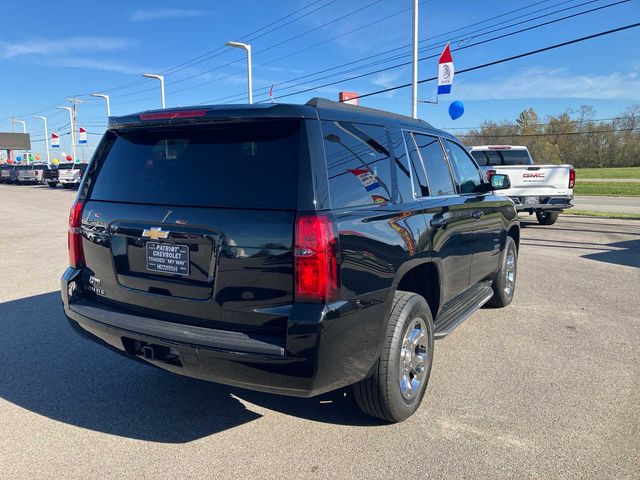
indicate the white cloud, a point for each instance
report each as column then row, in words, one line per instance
column 387, row 80
column 63, row 45
column 98, row 64
column 540, row 82
column 164, row 13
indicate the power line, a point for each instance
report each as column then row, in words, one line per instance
column 249, row 37
column 435, row 55
column 222, row 49
column 508, row 59
column 573, row 121
column 219, row 67
column 474, row 34
column 547, row 134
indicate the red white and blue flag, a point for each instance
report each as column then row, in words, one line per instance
column 55, row 141
column 445, row 71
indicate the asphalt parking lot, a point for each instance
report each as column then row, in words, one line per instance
column 546, row 388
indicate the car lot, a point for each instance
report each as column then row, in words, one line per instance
column 548, row 387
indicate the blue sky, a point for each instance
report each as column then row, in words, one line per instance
column 50, row 50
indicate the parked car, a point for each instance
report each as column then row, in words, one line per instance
column 70, row 174
column 26, row 174
column 5, row 173
column 545, row 190
column 293, row 249
column 50, row 176
column 39, row 170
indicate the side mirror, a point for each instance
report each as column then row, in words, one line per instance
column 500, row 182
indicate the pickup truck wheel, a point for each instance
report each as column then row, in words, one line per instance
column 395, row 389
column 53, row 184
column 504, row 284
column 547, row 218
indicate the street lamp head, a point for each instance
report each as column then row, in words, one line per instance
column 244, row 46
column 100, row 95
column 152, row 75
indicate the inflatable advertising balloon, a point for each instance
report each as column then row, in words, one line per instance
column 456, row 109
column 55, row 161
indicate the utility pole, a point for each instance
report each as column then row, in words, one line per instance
column 75, row 101
column 414, row 82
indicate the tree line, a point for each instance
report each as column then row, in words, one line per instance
column 575, row 137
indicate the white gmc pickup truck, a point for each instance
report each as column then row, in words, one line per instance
column 545, row 190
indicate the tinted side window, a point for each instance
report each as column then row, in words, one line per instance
column 438, row 174
column 480, row 158
column 417, row 168
column 468, row 174
column 401, row 160
column 358, row 163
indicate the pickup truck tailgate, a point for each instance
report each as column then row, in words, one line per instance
column 539, row 180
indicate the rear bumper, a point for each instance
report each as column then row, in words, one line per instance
column 324, row 348
column 530, row 203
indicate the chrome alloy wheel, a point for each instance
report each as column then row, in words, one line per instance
column 510, row 273
column 413, row 358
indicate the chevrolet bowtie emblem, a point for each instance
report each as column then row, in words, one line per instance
column 155, row 233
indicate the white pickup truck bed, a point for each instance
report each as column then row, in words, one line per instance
column 544, row 190
column 538, row 186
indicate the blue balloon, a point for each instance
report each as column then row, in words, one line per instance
column 456, row 109
column 18, row 158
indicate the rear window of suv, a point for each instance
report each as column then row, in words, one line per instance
column 239, row 165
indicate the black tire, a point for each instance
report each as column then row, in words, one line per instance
column 52, row 184
column 381, row 394
column 502, row 296
column 547, row 217
column 66, row 185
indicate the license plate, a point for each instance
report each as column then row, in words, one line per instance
column 168, row 258
column 531, row 200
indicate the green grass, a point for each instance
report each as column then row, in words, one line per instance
column 627, row 189
column 589, row 213
column 624, row 172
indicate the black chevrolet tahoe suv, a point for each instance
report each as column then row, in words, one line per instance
column 292, row 249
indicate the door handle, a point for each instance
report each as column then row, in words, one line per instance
column 438, row 222
column 477, row 214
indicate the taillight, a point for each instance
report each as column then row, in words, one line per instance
column 572, row 178
column 316, row 265
column 76, row 255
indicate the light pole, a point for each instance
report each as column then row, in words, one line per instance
column 106, row 97
column 46, row 137
column 247, row 48
column 24, row 130
column 414, row 81
column 24, row 124
column 161, row 78
column 73, row 130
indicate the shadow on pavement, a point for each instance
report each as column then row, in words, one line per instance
column 629, row 255
column 48, row 369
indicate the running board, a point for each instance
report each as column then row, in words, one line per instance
column 461, row 308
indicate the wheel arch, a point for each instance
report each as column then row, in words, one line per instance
column 422, row 278
column 514, row 232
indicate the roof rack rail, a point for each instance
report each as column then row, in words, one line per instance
column 320, row 102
